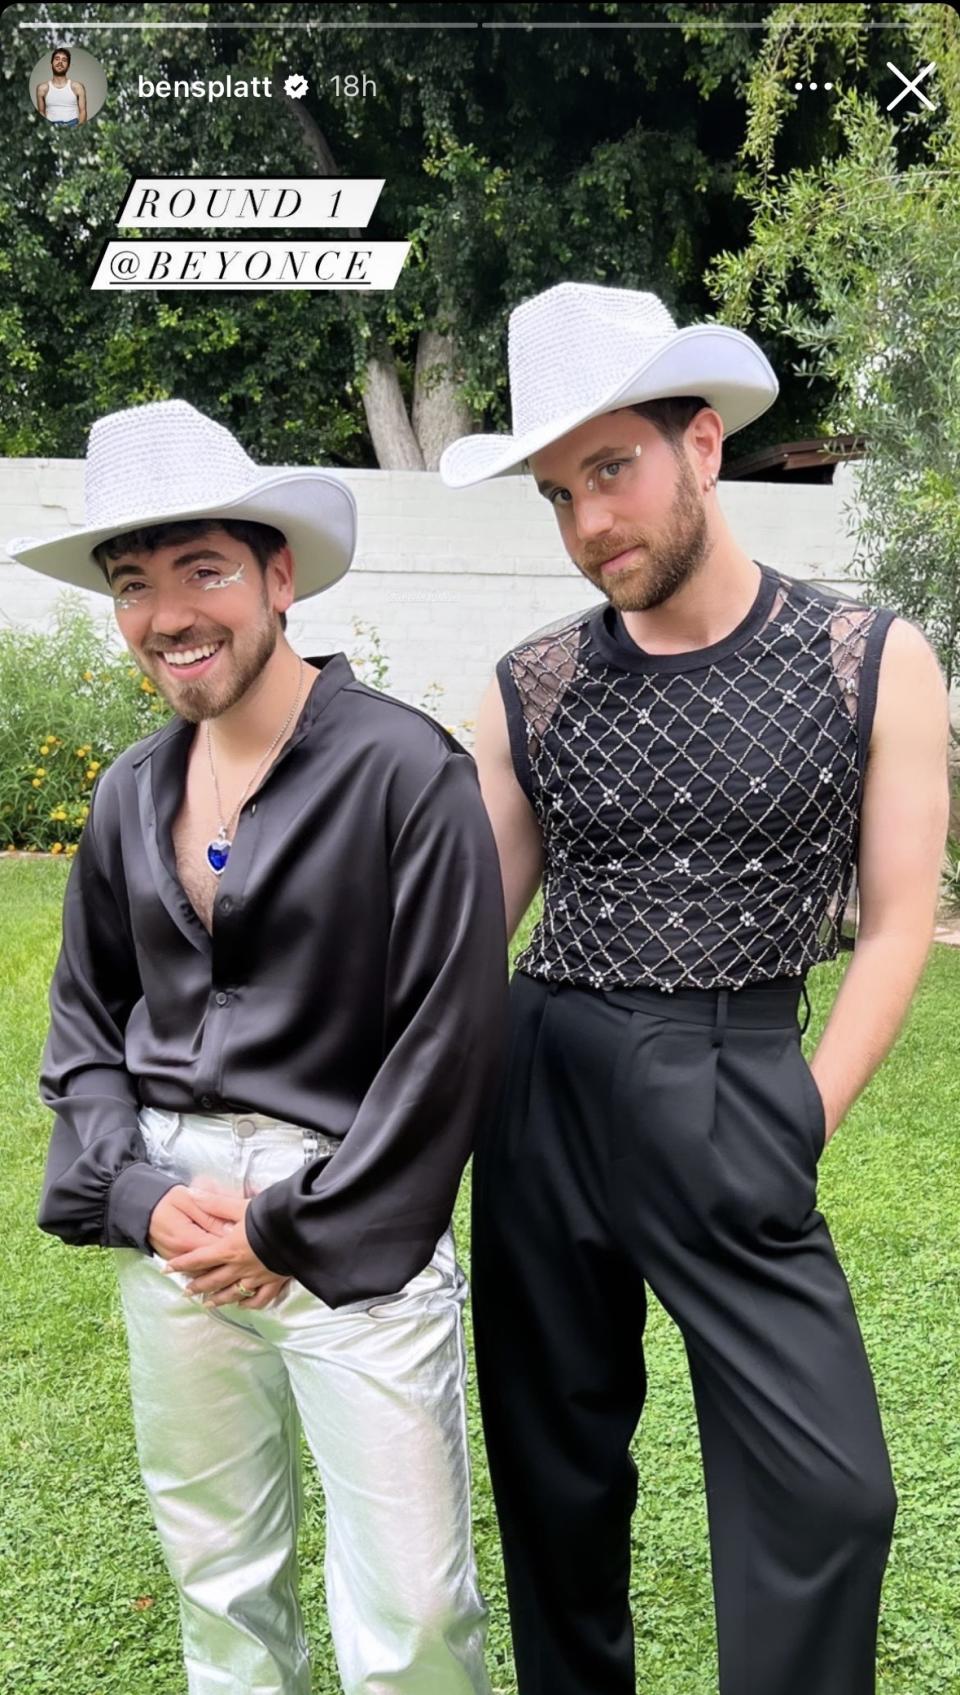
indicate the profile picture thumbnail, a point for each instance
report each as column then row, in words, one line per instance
column 67, row 86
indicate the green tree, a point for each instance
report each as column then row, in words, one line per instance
column 513, row 158
column 857, row 261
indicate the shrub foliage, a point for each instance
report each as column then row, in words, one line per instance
column 69, row 704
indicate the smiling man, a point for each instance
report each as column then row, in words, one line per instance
column 694, row 770
column 276, row 1022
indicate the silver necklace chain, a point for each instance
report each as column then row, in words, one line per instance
column 225, row 828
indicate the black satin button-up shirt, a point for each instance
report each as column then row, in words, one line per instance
column 355, row 982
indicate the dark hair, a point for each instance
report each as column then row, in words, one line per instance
column 262, row 540
column 672, row 415
column 57, row 50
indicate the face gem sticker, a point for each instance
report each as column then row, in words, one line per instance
column 225, row 582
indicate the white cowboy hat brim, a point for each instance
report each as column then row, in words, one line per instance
column 316, row 513
column 719, row 363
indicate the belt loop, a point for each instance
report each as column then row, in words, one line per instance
column 720, row 1023
column 806, row 1003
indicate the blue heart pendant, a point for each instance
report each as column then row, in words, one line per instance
column 218, row 853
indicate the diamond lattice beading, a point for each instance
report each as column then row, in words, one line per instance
column 699, row 826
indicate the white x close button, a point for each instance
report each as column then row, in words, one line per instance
column 911, row 87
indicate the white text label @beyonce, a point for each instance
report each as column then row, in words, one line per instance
column 250, row 265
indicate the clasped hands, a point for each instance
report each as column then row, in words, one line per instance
column 201, row 1231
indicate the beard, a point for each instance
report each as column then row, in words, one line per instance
column 671, row 559
column 196, row 701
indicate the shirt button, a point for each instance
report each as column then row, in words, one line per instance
column 222, row 998
column 206, row 1101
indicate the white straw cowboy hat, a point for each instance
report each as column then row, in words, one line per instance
column 579, row 350
column 166, row 462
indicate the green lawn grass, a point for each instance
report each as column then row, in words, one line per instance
column 87, row 1608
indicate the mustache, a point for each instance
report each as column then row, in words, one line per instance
column 592, row 558
column 191, row 639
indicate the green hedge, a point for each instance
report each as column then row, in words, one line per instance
column 69, row 704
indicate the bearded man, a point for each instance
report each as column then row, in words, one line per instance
column 694, row 769
column 276, row 1020
column 59, row 100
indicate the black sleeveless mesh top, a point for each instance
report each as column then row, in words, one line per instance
column 699, row 810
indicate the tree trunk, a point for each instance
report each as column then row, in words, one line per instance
column 313, row 136
column 394, row 442
column 440, row 415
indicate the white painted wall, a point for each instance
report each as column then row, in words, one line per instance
column 450, row 580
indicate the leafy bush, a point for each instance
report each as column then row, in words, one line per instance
column 70, row 702
column 856, row 259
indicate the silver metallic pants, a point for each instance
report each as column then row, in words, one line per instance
column 219, row 1398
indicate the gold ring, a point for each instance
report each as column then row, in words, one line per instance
column 243, row 1293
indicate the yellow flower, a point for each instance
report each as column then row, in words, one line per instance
column 88, row 676
column 57, row 847
column 147, row 686
column 83, row 751
column 40, row 771
column 93, row 767
column 71, row 849
column 84, row 813
column 45, row 749
column 58, row 816
column 37, row 783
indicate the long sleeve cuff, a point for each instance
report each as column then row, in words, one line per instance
column 134, row 1193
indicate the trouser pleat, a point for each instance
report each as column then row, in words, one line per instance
column 631, row 1149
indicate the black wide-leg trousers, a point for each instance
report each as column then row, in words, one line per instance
column 672, row 1141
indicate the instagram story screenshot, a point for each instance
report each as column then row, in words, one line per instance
column 495, row 1242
